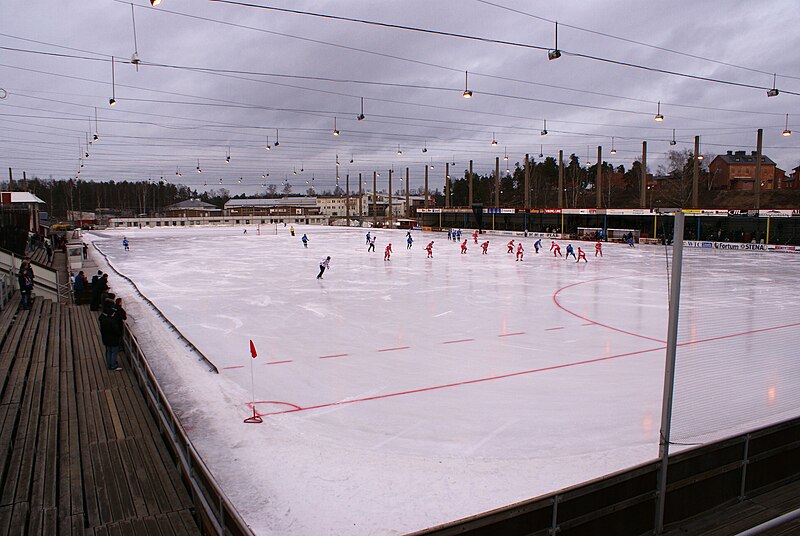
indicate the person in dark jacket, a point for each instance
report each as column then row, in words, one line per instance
column 97, row 292
column 25, row 279
column 79, row 284
column 111, row 333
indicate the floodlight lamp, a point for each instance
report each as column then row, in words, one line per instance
column 424, row 149
column 700, row 157
column 112, row 101
column 467, row 91
column 360, row 117
column 154, row 3
column 787, row 132
column 544, row 132
column 95, row 137
column 553, row 54
column 467, row 94
column 659, row 117
column 772, row 92
column 227, row 159
column 613, row 151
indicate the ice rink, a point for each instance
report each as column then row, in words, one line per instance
column 401, row 394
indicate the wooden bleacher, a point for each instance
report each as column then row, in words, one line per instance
column 80, row 452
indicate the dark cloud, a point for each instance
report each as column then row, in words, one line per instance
column 168, row 119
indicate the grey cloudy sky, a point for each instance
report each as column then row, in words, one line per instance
column 167, row 119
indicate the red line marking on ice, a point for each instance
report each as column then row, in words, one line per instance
column 460, row 340
column 467, row 382
column 237, row 366
column 278, row 362
column 555, row 300
column 334, row 355
column 588, row 324
column 511, row 334
column 553, row 329
column 393, row 349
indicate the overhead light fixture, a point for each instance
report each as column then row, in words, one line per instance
column 774, row 91
column 335, row 132
column 399, row 152
column 112, row 101
column 555, row 53
column 700, row 157
column 672, row 141
column 659, row 117
column 544, row 129
column 494, row 141
column 96, row 135
column 154, row 3
column 267, row 147
column 613, row 150
column 177, row 172
column 135, row 56
column 432, row 166
column 277, row 142
column 425, row 147
column 467, row 91
column 786, row 131
column 198, row 166
column 352, row 158
column 505, row 154
column 301, row 167
column 541, row 151
column 361, row 116
column 294, row 170
column 228, row 156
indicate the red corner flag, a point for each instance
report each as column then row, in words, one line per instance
column 253, row 349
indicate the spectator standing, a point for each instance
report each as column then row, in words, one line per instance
column 111, row 334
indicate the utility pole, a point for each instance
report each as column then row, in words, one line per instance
column 426, row 187
column 408, row 198
column 360, row 197
column 374, row 198
column 561, row 178
column 757, row 183
column 447, row 185
column 497, row 182
column 470, row 183
column 10, row 180
column 643, row 180
column 599, row 179
column 696, row 173
column 527, row 197
column 347, row 199
column 391, row 199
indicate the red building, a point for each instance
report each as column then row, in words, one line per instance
column 737, row 171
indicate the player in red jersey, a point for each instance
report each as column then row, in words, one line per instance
column 556, row 249
column 475, row 236
column 464, row 247
column 429, row 249
column 598, row 249
column 511, row 246
column 520, row 252
column 552, row 245
column 581, row 255
column 387, row 253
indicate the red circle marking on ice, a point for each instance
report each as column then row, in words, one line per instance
column 573, row 313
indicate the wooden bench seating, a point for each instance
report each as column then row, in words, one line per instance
column 80, row 452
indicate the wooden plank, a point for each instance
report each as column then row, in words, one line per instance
column 137, row 494
column 5, row 519
column 113, row 413
column 120, row 477
column 19, row 520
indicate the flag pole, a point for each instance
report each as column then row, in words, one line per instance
column 256, row 418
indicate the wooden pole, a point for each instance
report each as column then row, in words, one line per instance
column 599, row 180
column 560, row 179
column 360, row 197
column 347, row 199
column 427, row 201
column 527, row 196
column 696, row 174
column 470, row 184
column 11, row 180
column 497, row 182
column 24, row 181
column 643, row 180
column 447, row 185
column 374, row 198
column 408, row 199
column 757, row 183
column 391, row 208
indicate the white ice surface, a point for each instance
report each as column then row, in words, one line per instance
column 463, row 383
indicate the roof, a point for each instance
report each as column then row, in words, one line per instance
column 192, row 203
column 741, row 157
column 281, row 202
column 24, row 197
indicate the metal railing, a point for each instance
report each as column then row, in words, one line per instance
column 216, row 514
